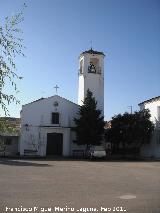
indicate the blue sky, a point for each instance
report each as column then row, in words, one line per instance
column 55, row 32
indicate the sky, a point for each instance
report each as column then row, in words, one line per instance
column 55, row 32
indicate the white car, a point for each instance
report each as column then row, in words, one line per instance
column 97, row 152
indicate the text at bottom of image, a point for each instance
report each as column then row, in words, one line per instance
column 64, row 209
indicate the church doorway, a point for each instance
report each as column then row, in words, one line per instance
column 54, row 144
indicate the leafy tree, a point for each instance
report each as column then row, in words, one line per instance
column 5, row 127
column 90, row 125
column 131, row 130
column 11, row 45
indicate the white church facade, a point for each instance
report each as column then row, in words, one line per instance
column 47, row 124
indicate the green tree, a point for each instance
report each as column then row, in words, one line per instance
column 5, row 128
column 11, row 45
column 131, row 130
column 90, row 124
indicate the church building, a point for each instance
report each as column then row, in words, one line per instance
column 47, row 124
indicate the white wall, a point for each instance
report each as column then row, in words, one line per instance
column 152, row 106
column 152, row 149
column 39, row 112
column 81, row 90
column 36, row 123
column 93, row 82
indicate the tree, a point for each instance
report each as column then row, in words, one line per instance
column 90, row 125
column 11, row 45
column 5, row 128
column 131, row 130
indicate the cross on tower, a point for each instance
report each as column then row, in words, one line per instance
column 56, row 87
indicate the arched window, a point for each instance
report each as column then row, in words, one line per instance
column 55, row 118
column 94, row 66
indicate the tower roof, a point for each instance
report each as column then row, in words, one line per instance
column 91, row 51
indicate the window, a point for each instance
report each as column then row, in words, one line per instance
column 94, row 66
column 55, row 118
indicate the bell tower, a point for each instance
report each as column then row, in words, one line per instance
column 91, row 76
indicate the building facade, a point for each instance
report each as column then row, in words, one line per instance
column 153, row 149
column 47, row 124
column 47, row 127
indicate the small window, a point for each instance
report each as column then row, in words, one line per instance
column 55, row 118
column 55, row 104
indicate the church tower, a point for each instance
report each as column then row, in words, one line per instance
column 91, row 76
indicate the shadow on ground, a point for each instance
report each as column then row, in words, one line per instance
column 29, row 161
column 13, row 162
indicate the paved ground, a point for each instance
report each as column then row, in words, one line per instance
column 135, row 186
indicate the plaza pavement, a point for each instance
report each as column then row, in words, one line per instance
column 133, row 187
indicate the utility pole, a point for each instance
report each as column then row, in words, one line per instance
column 130, row 109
